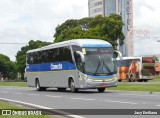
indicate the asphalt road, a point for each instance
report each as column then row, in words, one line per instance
column 85, row 99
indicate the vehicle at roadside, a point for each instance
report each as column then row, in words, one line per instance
column 157, row 67
column 136, row 69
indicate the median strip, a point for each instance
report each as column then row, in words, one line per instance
column 52, row 110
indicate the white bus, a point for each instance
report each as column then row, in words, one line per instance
column 75, row 64
column 136, row 69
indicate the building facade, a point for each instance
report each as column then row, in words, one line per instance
column 123, row 8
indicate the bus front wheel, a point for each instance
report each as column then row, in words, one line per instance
column 72, row 86
column 101, row 90
column 38, row 86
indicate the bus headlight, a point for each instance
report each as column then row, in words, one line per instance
column 114, row 77
column 85, row 77
column 82, row 76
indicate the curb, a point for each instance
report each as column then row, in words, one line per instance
column 48, row 110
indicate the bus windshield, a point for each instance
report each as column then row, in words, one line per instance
column 99, row 61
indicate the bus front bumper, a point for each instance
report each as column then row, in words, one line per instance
column 100, row 84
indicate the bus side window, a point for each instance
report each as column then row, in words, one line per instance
column 28, row 59
column 67, row 54
column 31, row 58
column 44, row 56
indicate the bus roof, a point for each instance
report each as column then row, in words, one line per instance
column 79, row 42
column 127, row 58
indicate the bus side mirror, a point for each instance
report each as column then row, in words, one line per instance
column 119, row 54
column 81, row 54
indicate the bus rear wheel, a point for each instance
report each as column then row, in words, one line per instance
column 140, row 80
column 101, row 90
column 119, row 80
column 145, row 80
column 72, row 86
column 38, row 86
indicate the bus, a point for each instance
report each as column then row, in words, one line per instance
column 136, row 69
column 75, row 64
column 157, row 67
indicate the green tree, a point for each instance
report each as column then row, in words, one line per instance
column 156, row 58
column 105, row 28
column 21, row 55
column 6, row 67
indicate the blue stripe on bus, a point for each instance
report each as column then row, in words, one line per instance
column 51, row 66
column 96, row 45
column 109, row 76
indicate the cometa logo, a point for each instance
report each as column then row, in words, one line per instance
column 54, row 67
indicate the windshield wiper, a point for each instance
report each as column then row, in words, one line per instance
column 106, row 67
column 97, row 67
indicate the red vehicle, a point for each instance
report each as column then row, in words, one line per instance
column 136, row 69
column 157, row 67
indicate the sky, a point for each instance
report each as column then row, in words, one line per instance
column 25, row 20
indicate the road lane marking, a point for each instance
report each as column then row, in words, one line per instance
column 53, row 96
column 40, row 107
column 121, row 102
column 17, row 93
column 82, row 99
column 3, row 92
column 139, row 95
column 75, row 116
column 34, row 94
column 158, row 105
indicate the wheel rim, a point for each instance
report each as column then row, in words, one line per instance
column 72, row 85
column 37, row 84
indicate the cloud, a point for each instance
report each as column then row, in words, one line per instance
column 146, row 15
column 25, row 20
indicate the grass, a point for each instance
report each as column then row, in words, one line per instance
column 137, row 87
column 4, row 105
column 157, row 79
column 22, row 84
column 149, row 87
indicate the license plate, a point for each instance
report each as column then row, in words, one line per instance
column 103, row 84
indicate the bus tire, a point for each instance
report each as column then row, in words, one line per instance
column 132, row 79
column 101, row 90
column 145, row 80
column 38, row 86
column 129, row 79
column 140, row 80
column 72, row 86
column 119, row 80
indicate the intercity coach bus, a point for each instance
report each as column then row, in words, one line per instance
column 75, row 64
column 136, row 69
